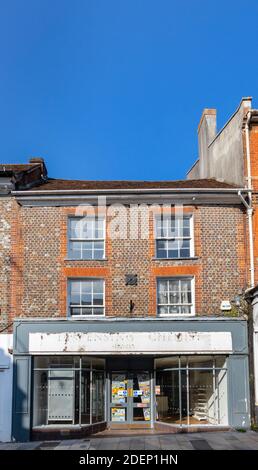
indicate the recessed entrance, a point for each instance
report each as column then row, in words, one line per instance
column 130, row 399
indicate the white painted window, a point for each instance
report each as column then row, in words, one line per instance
column 174, row 236
column 86, row 297
column 175, row 296
column 86, row 238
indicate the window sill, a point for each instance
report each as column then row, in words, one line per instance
column 84, row 317
column 175, row 259
column 175, row 315
column 86, row 259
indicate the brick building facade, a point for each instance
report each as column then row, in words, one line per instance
column 136, row 330
column 41, row 263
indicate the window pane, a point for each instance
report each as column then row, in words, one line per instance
column 75, row 287
column 98, row 254
column 220, row 361
column 161, row 244
column 97, row 286
column 185, row 284
column 185, row 244
column 221, row 397
column 75, row 228
column 86, row 299
column 171, row 362
column 75, row 299
column 86, row 311
column 161, row 253
column 173, row 285
column 174, row 298
column 75, row 250
column 56, row 397
column 87, row 254
column 75, row 311
column 185, row 253
column 75, row 293
column 162, row 292
column 98, row 245
column 158, row 232
column 47, row 362
column 98, row 396
column 174, row 309
column 186, row 309
column 87, row 246
column 99, row 228
column 200, row 361
column 202, row 407
column 172, row 247
column 86, row 287
column 168, row 400
column 185, row 292
column 162, row 310
column 186, row 227
column 85, row 397
column 98, row 299
column 185, row 248
column 98, row 311
column 172, row 254
column 87, row 228
column 98, row 363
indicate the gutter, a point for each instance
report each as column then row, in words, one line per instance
column 121, row 191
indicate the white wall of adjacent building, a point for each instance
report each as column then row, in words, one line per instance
column 6, row 382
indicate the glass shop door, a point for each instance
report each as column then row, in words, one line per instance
column 130, row 398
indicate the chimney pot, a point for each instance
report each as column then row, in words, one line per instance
column 36, row 160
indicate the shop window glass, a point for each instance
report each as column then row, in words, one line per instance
column 67, row 390
column 199, row 386
column 98, row 397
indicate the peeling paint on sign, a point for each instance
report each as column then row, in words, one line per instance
column 131, row 342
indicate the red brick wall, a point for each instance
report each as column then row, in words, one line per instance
column 40, row 267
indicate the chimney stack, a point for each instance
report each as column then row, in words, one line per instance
column 39, row 161
column 207, row 130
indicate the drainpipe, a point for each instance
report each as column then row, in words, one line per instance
column 248, row 205
column 249, row 211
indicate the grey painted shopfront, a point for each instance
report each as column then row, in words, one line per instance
column 79, row 376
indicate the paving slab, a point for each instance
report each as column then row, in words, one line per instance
column 184, row 441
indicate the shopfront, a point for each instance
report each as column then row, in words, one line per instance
column 73, row 378
column 68, row 391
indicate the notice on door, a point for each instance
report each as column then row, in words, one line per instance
column 119, row 389
column 118, row 415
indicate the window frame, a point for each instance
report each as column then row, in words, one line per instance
column 191, row 237
column 192, row 305
column 70, row 239
column 81, row 279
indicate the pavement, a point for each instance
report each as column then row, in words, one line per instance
column 230, row 440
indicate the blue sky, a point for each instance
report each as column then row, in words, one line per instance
column 114, row 89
